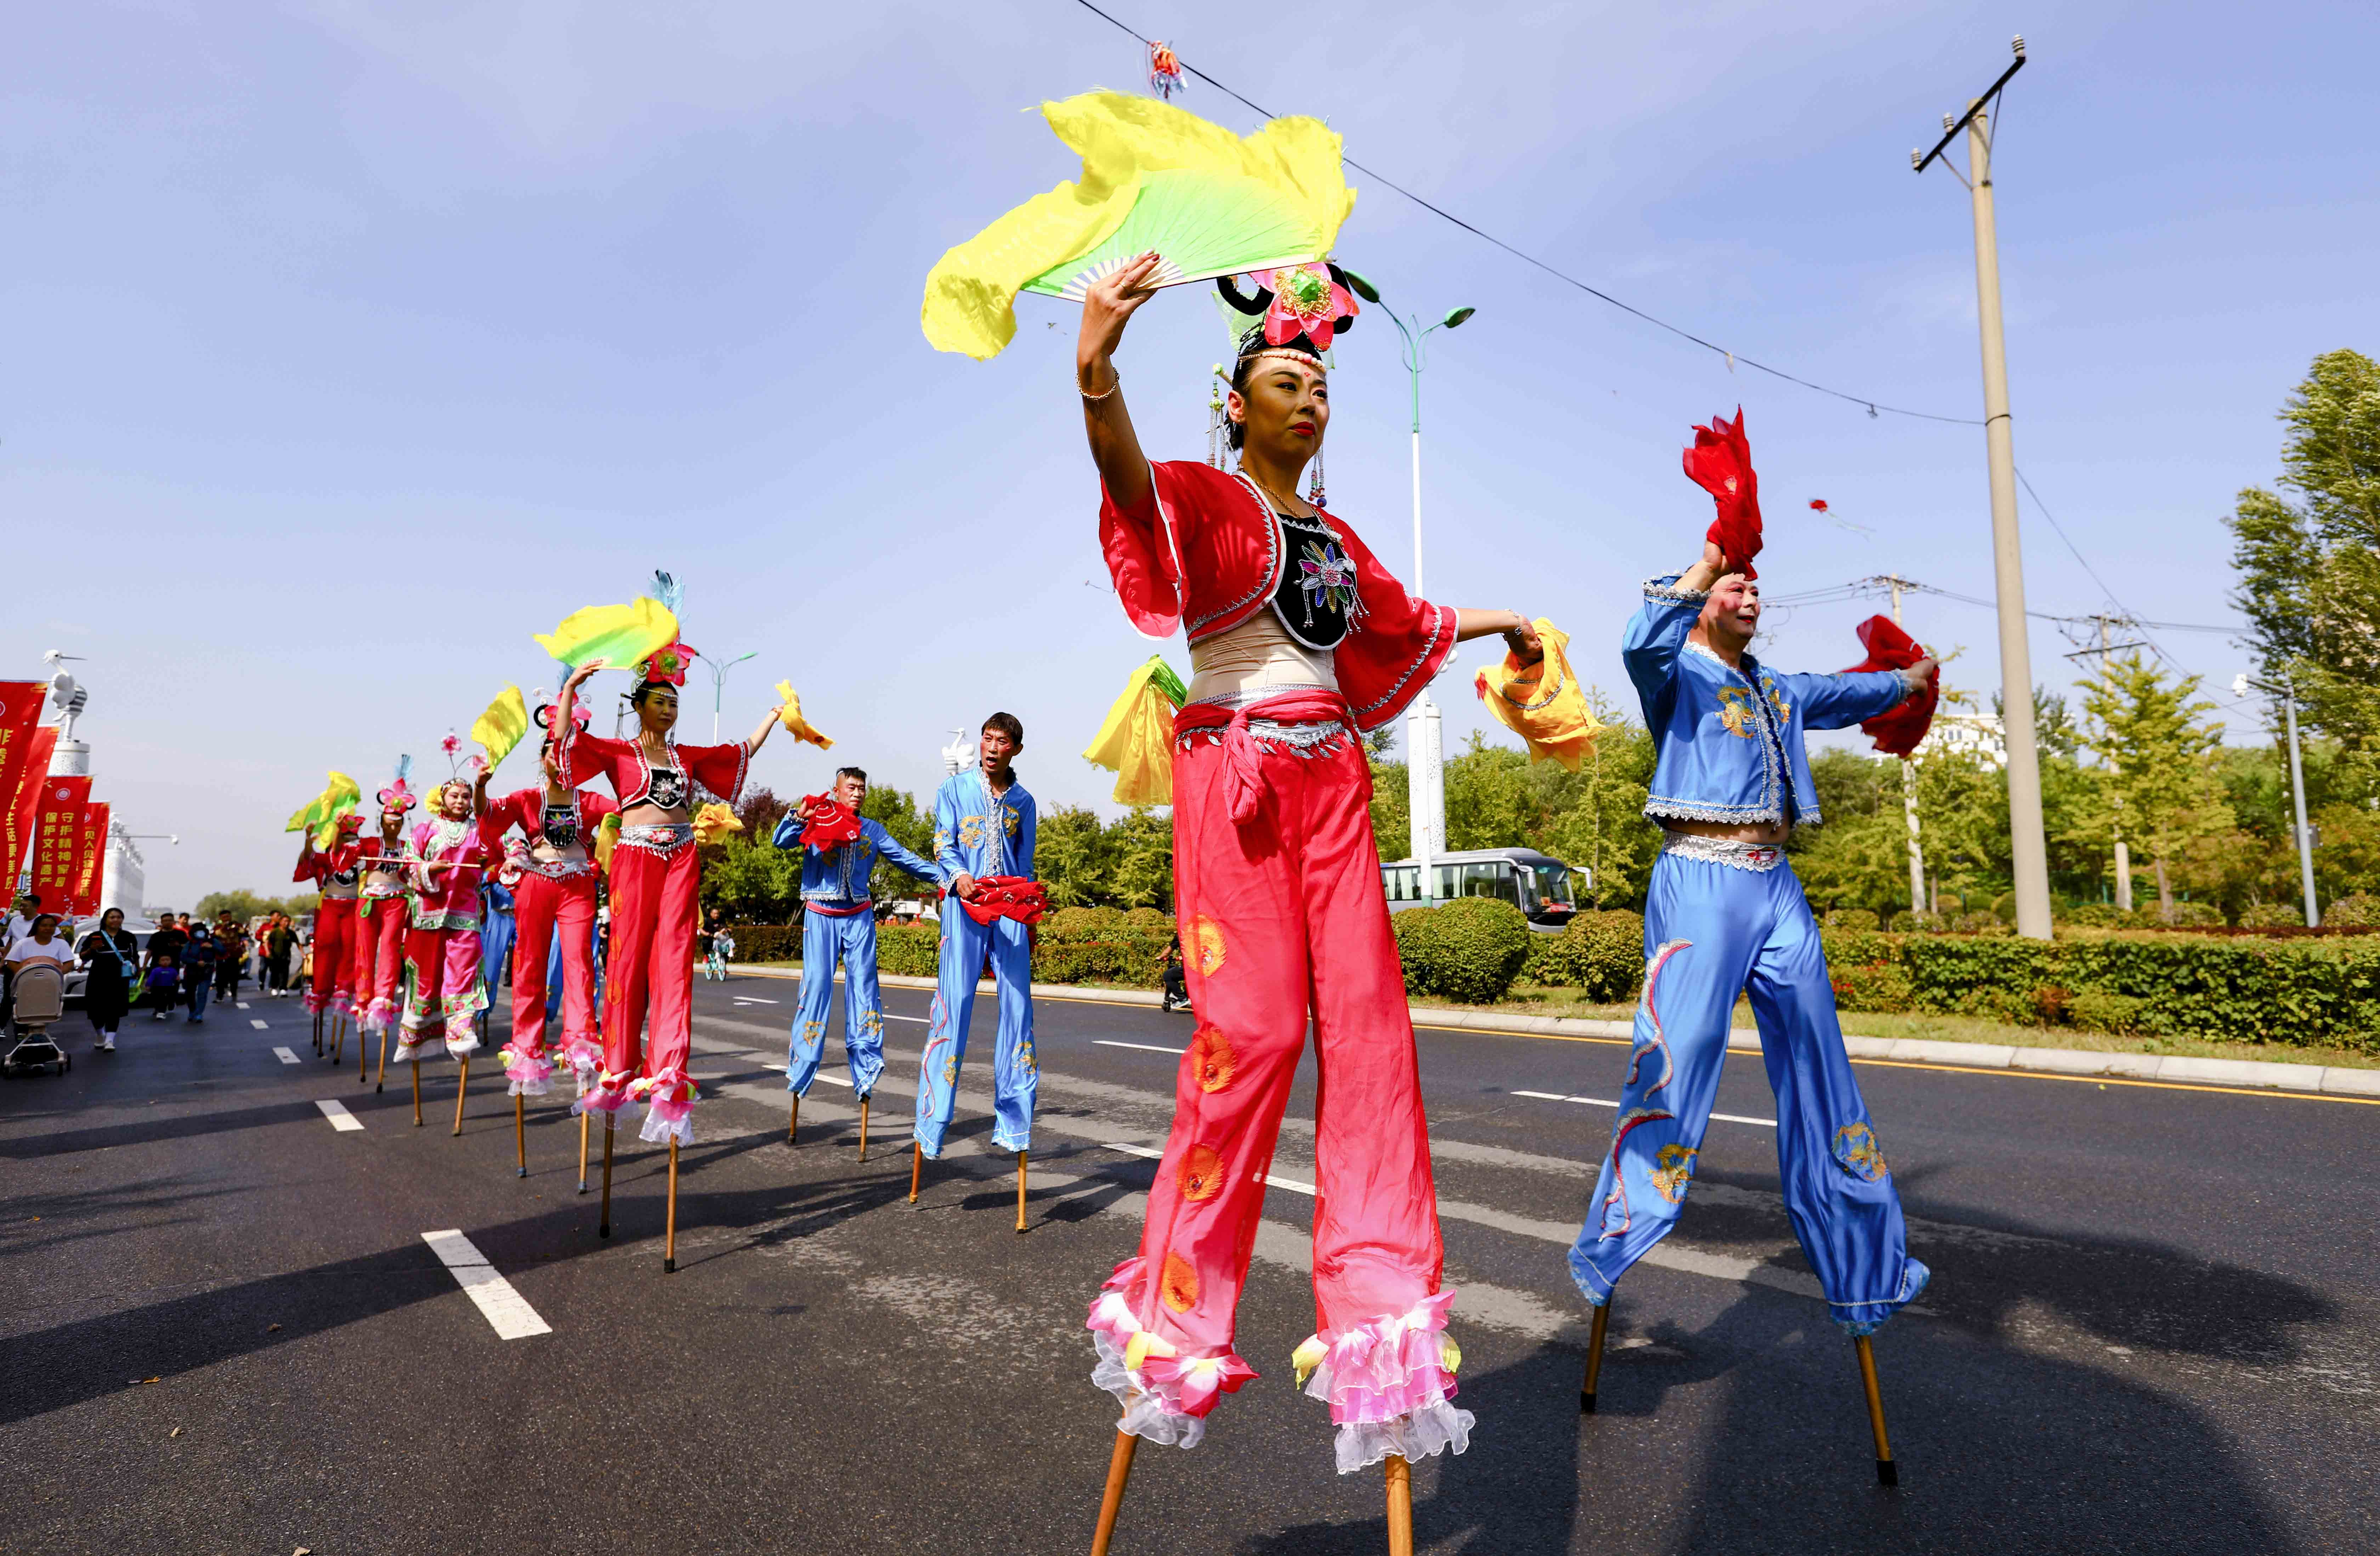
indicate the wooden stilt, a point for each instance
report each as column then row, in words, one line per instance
column 338, row 1037
column 669, row 1227
column 1400, row 1506
column 461, row 1085
column 382, row 1084
column 793, row 1117
column 1111, row 1500
column 363, row 1052
column 916, row 1168
column 1593, row 1359
column 863, row 1130
column 603, row 1226
column 520, row 1131
column 1020, row 1191
column 417, row 1094
column 583, row 1122
column 1886, row 1472
column 318, row 1032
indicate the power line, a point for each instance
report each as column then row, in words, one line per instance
column 1872, row 407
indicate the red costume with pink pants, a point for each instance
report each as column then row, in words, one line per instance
column 649, row 964
column 377, row 968
column 441, row 944
column 333, row 874
column 554, row 895
column 1283, row 922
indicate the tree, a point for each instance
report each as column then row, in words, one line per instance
column 2309, row 570
column 1143, row 846
column 2161, row 782
column 1070, row 855
column 911, row 828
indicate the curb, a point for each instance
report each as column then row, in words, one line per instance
column 2327, row 1080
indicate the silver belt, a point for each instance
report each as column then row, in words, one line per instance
column 661, row 837
column 1735, row 853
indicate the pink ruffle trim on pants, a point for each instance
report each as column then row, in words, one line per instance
column 607, row 1096
column 378, row 1014
column 530, row 1072
column 1165, row 1396
column 1388, row 1382
column 669, row 1101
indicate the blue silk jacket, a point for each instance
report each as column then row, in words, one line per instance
column 839, row 876
column 978, row 834
column 1727, row 741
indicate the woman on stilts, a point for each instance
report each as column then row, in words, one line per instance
column 1299, row 641
column 376, row 973
column 444, row 993
column 656, row 879
column 333, row 874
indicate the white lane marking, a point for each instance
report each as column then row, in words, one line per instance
column 503, row 1307
column 753, row 1000
column 1290, row 1183
column 284, row 1056
column 254, row 1022
column 336, row 1111
column 1145, row 1048
column 779, row 1066
column 1605, row 1103
column 240, row 1004
column 920, row 1020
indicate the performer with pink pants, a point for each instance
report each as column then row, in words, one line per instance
column 649, row 972
column 1299, row 641
column 451, row 855
column 558, row 890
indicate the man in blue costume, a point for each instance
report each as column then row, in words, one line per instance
column 1724, row 915
column 839, row 922
column 983, row 826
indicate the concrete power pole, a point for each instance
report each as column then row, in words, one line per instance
column 1909, row 785
column 2030, row 850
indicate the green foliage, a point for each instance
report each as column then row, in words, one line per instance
column 908, row 949
column 2271, row 915
column 767, row 943
column 1852, row 919
column 1468, row 950
column 1601, row 955
column 2094, row 1012
column 2160, row 785
column 1142, row 845
column 1075, row 945
column 246, row 906
column 1070, row 855
column 911, row 828
column 752, row 882
column 2359, row 910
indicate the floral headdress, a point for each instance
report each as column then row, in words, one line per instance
column 1312, row 302
column 399, row 798
column 665, row 666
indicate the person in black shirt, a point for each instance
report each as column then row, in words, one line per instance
column 111, row 958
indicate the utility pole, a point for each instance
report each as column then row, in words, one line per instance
column 2032, row 854
column 2296, row 793
column 1909, row 780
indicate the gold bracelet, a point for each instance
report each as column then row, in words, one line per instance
column 1116, row 382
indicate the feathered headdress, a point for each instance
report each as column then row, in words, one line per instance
column 667, row 664
column 1720, row 463
column 397, row 796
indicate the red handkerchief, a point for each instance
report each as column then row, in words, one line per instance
column 825, row 824
column 1897, row 733
column 1007, row 896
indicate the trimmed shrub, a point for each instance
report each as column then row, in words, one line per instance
column 2094, row 916
column 767, row 943
column 2271, row 915
column 2119, row 1014
column 1601, row 955
column 1880, row 987
column 1468, row 950
column 910, row 949
column 1853, row 918
column 1980, row 924
column 2359, row 910
column 1907, row 923
column 2004, row 907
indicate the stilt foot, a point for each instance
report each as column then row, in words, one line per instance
column 1111, row 1500
column 1593, row 1359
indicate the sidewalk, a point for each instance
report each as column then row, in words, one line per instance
column 2326, row 1080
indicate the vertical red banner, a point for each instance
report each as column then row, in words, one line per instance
column 90, row 861
column 60, row 804
column 20, row 711
column 18, row 821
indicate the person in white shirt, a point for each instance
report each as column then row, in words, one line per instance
column 43, row 945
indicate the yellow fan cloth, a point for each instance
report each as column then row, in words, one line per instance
column 1542, row 703
column 1137, row 741
column 320, row 815
column 607, row 836
column 619, row 635
column 796, row 725
column 714, row 822
column 503, row 726
column 971, row 292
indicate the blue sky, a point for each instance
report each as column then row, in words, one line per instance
column 348, row 345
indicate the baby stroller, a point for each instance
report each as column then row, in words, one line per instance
column 41, row 1004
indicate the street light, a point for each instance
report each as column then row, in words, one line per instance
column 1425, row 749
column 719, row 685
column 2240, row 684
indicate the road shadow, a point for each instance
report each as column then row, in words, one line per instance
column 148, row 1131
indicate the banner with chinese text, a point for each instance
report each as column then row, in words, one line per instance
column 17, row 820
column 60, row 808
column 90, row 861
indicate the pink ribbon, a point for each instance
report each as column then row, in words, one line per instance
column 1242, row 769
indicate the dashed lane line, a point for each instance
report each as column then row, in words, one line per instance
column 336, row 1111
column 240, row 1004
column 258, row 1023
column 1145, row 1048
column 284, row 1056
column 1607, row 1102
column 506, row 1309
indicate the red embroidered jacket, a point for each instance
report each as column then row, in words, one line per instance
column 525, row 809
column 1206, row 554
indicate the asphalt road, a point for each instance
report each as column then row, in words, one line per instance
column 2152, row 1326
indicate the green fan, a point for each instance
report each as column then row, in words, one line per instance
column 1208, row 201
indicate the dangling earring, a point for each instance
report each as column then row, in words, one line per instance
column 1218, row 440
column 1313, row 482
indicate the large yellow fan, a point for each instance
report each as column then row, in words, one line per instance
column 1208, row 201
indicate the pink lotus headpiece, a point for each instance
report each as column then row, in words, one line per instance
column 1312, row 300
column 666, row 667
column 397, row 796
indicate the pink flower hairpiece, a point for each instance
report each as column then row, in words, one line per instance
column 1306, row 301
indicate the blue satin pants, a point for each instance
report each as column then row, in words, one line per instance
column 825, row 940
column 1015, row 1076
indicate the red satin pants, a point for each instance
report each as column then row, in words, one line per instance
column 543, row 906
column 335, row 930
column 649, row 970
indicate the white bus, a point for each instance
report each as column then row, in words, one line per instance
column 1538, row 884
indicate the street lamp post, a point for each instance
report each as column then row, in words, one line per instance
column 719, row 685
column 2304, row 834
column 1424, row 752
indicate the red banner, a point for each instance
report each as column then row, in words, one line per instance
column 21, row 710
column 90, row 861
column 60, row 802
column 18, row 822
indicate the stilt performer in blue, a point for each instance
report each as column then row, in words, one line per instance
column 1724, row 915
column 983, row 829
column 840, row 848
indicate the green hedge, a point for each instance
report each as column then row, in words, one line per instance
column 1469, row 948
column 2239, row 989
column 1600, row 955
